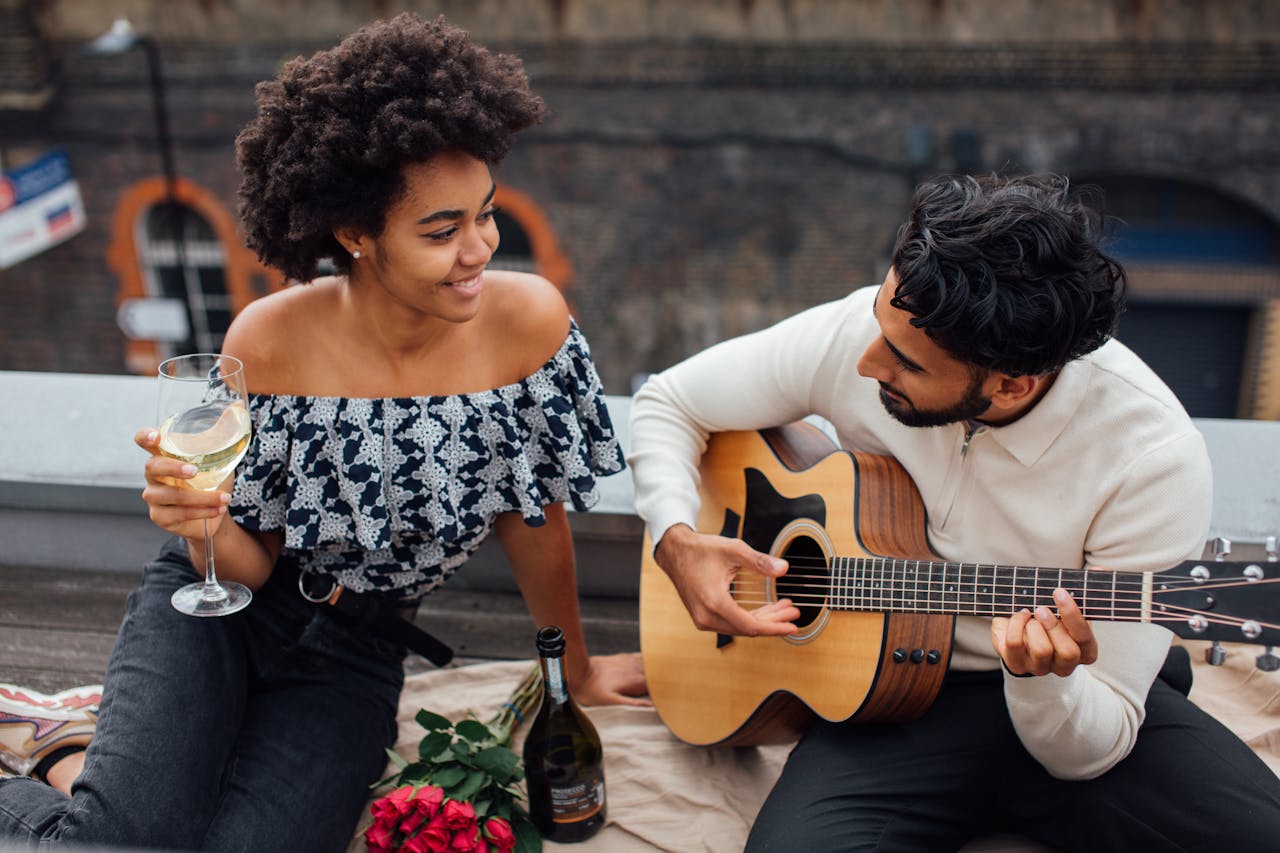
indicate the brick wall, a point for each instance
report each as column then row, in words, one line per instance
column 699, row 189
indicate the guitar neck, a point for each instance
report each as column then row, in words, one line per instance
column 882, row 584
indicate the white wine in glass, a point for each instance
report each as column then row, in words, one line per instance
column 204, row 420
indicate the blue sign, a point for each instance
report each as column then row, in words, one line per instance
column 40, row 207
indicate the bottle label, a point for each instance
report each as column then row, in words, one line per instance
column 555, row 682
column 577, row 802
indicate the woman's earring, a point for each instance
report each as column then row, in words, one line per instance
column 356, row 254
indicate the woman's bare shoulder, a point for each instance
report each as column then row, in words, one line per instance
column 272, row 334
column 531, row 315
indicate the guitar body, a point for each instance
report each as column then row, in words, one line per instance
column 787, row 491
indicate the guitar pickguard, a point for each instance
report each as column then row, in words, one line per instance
column 767, row 512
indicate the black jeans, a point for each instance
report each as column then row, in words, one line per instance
column 258, row 731
column 960, row 772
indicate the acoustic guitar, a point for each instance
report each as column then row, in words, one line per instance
column 877, row 607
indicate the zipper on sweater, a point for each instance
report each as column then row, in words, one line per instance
column 971, row 429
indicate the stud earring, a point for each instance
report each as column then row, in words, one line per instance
column 356, row 254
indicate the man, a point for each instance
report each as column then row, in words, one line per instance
column 984, row 364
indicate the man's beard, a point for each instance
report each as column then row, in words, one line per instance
column 969, row 407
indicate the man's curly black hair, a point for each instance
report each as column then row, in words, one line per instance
column 1008, row 274
column 335, row 130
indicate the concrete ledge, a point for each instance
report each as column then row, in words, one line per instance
column 71, row 478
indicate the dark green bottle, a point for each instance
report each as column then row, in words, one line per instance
column 563, row 762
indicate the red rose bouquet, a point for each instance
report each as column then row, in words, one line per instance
column 461, row 794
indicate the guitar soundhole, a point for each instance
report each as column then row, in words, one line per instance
column 807, row 580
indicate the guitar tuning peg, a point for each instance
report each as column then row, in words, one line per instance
column 1272, row 553
column 1215, row 655
column 1268, row 661
column 1221, row 548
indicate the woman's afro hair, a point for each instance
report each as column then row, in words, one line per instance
column 335, row 130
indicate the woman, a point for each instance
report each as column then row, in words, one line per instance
column 402, row 409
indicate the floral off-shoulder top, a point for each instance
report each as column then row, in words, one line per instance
column 394, row 494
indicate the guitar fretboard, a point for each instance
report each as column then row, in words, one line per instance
column 880, row 584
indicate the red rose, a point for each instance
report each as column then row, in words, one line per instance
column 389, row 809
column 428, row 800
column 416, row 844
column 458, row 815
column 499, row 832
column 378, row 838
column 435, row 835
column 410, row 823
column 468, row 840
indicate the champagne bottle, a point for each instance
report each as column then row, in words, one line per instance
column 563, row 762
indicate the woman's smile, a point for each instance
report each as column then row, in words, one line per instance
column 467, row 286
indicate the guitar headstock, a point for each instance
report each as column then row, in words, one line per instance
column 1223, row 601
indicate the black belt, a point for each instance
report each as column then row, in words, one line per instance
column 393, row 621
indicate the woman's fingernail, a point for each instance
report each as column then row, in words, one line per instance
column 153, row 436
column 224, row 497
column 189, row 470
column 1044, row 615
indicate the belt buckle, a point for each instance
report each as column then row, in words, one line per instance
column 330, row 595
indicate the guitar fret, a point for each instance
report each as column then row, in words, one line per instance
column 978, row 589
column 1113, row 596
column 890, row 585
column 900, row 585
column 974, row 608
column 886, row 587
column 947, row 586
column 913, row 604
column 915, row 583
column 998, row 604
column 906, row 601
column 903, row 605
column 875, row 585
column 868, row 583
column 928, row 589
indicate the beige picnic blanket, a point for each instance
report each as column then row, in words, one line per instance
column 666, row 795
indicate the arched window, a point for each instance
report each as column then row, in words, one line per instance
column 182, row 259
column 209, row 270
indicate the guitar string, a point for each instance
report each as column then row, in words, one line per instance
column 1163, row 613
column 826, row 583
column 1133, row 580
column 1124, row 599
column 931, row 566
column 1163, row 584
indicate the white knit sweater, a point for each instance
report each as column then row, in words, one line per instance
column 1106, row 470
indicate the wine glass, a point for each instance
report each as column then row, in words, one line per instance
column 203, row 413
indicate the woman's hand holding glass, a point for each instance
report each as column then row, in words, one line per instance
column 203, row 434
column 178, row 508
